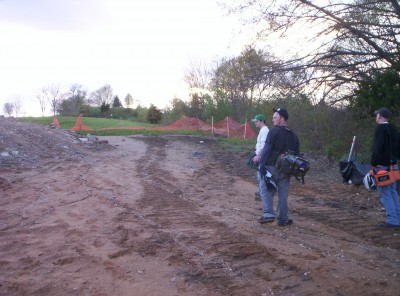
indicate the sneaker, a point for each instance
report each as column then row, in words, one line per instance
column 288, row 222
column 264, row 219
column 388, row 225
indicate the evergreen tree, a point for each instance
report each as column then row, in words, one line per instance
column 116, row 103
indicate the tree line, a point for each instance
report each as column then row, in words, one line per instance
column 99, row 103
column 346, row 67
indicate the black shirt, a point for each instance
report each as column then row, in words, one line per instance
column 280, row 139
column 385, row 150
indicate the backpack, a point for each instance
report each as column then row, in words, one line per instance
column 292, row 165
column 289, row 162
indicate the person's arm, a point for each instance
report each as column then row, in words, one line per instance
column 377, row 147
column 263, row 139
column 264, row 154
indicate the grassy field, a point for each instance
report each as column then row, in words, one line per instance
column 67, row 122
column 236, row 145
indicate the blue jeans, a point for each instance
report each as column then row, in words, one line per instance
column 267, row 197
column 262, row 189
column 390, row 200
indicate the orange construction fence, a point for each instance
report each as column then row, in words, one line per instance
column 79, row 126
column 227, row 127
column 55, row 122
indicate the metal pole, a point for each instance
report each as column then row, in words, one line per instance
column 352, row 148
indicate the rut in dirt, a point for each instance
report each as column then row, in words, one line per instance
column 358, row 219
column 208, row 252
column 213, row 257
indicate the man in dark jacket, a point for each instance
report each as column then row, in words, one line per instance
column 280, row 139
column 384, row 154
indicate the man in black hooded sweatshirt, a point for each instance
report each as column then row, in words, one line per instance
column 385, row 153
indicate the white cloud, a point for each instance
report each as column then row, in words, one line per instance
column 140, row 47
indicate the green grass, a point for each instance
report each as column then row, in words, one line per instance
column 144, row 132
column 67, row 122
column 236, row 145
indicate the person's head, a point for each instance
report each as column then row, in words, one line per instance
column 280, row 117
column 259, row 120
column 382, row 115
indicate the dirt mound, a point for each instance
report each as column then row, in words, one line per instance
column 27, row 145
column 176, row 215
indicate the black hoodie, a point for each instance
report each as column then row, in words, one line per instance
column 386, row 149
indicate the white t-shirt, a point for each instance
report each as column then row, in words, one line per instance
column 261, row 138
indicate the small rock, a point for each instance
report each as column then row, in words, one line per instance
column 92, row 138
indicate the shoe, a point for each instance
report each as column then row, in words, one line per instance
column 288, row 222
column 263, row 219
column 388, row 225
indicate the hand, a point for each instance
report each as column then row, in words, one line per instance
column 256, row 159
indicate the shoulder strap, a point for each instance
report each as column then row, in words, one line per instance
column 291, row 141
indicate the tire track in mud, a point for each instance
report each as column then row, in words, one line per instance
column 191, row 223
column 358, row 220
column 210, row 254
column 311, row 243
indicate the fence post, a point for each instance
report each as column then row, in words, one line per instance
column 245, row 126
column 212, row 125
column 227, row 125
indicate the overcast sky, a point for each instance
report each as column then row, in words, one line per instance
column 138, row 47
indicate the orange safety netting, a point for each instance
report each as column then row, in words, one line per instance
column 55, row 122
column 79, row 126
column 188, row 123
column 230, row 128
column 226, row 127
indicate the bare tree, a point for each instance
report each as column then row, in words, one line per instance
column 128, row 100
column 243, row 80
column 53, row 96
column 198, row 77
column 73, row 100
column 41, row 97
column 8, row 108
column 17, row 102
column 102, row 96
column 76, row 90
column 354, row 38
column 136, row 102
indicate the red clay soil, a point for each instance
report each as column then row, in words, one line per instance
column 176, row 215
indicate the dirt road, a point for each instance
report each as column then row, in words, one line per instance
column 176, row 215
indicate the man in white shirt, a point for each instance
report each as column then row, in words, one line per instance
column 259, row 121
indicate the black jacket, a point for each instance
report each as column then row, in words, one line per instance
column 385, row 150
column 280, row 139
